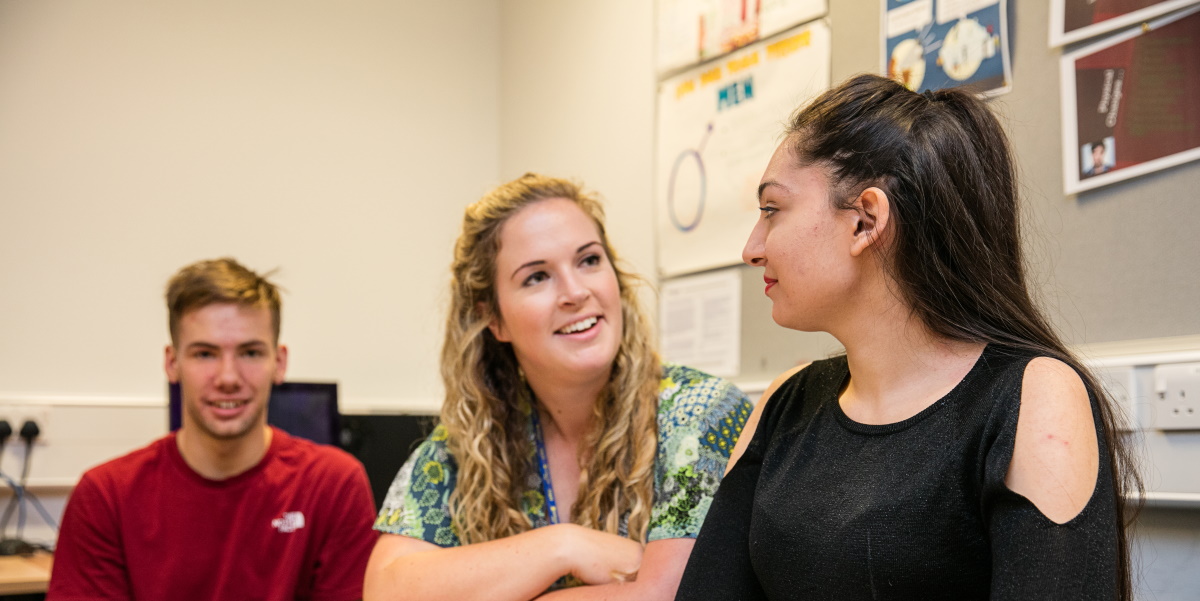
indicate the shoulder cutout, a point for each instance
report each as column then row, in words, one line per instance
column 1056, row 456
column 752, row 422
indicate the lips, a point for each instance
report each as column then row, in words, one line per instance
column 770, row 284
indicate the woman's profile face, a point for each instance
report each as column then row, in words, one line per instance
column 803, row 245
column 560, row 304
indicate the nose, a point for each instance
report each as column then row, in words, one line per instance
column 573, row 291
column 228, row 377
column 752, row 253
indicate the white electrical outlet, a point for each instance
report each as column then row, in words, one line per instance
column 17, row 415
column 1177, row 396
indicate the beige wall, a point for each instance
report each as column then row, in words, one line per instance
column 577, row 100
column 336, row 141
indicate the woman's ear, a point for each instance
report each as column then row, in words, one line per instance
column 495, row 324
column 873, row 215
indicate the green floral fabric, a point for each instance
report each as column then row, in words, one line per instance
column 699, row 419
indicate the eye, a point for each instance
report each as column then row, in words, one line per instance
column 253, row 353
column 535, row 278
column 591, row 260
column 203, row 354
column 767, row 211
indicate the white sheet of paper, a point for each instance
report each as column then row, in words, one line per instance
column 701, row 321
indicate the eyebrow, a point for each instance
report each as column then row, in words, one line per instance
column 541, row 262
column 766, row 184
column 201, row 344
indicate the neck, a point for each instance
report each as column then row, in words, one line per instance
column 566, row 405
column 221, row 459
column 898, row 366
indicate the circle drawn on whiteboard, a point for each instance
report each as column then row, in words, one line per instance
column 907, row 64
column 963, row 49
column 690, row 157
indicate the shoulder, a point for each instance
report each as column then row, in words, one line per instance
column 690, row 395
column 682, row 384
column 325, row 465
column 107, row 486
column 130, row 466
column 1055, row 461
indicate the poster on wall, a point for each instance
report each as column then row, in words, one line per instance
column 718, row 125
column 1129, row 103
column 693, row 31
column 935, row 44
column 1075, row 20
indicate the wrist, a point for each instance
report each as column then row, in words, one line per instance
column 564, row 540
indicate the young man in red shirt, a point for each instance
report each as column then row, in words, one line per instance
column 226, row 507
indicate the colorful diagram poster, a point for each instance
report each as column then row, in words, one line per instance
column 693, row 31
column 935, row 44
column 717, row 127
column 1075, row 20
column 1129, row 103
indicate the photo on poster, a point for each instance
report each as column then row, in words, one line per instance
column 1075, row 20
column 935, row 44
column 1129, row 103
column 1097, row 158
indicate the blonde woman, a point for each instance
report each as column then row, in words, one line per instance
column 567, row 454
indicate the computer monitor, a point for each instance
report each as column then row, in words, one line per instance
column 305, row 409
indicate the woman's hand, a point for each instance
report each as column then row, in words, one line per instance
column 596, row 557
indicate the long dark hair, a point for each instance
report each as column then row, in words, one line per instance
column 945, row 164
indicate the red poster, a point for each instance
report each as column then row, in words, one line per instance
column 1129, row 103
column 1075, row 20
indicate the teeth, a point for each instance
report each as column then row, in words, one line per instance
column 579, row 326
column 229, row 405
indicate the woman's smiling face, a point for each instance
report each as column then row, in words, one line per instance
column 557, row 291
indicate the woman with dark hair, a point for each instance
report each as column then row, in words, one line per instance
column 957, row 450
column 567, row 453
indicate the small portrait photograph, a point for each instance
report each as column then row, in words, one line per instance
column 1098, row 157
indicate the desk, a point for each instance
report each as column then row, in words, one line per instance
column 20, row 575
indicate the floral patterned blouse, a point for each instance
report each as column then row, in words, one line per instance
column 699, row 419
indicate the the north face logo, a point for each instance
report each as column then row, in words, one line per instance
column 291, row 521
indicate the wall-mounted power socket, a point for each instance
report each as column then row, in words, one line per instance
column 17, row 415
column 1177, row 396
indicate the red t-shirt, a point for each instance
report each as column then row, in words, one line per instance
column 147, row 527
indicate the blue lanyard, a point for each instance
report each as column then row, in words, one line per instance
column 544, row 469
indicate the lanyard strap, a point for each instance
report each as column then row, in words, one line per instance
column 544, row 469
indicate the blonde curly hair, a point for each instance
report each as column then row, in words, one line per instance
column 487, row 401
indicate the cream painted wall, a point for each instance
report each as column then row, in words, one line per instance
column 577, row 100
column 335, row 141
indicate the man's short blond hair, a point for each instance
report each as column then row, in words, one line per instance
column 214, row 281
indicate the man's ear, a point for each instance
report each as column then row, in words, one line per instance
column 171, row 364
column 281, row 361
column 873, row 213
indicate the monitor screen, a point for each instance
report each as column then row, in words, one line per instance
column 305, row 409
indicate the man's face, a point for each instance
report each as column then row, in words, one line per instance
column 1098, row 155
column 225, row 360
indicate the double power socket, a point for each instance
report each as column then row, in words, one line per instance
column 1170, row 390
column 1176, row 397
column 17, row 415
